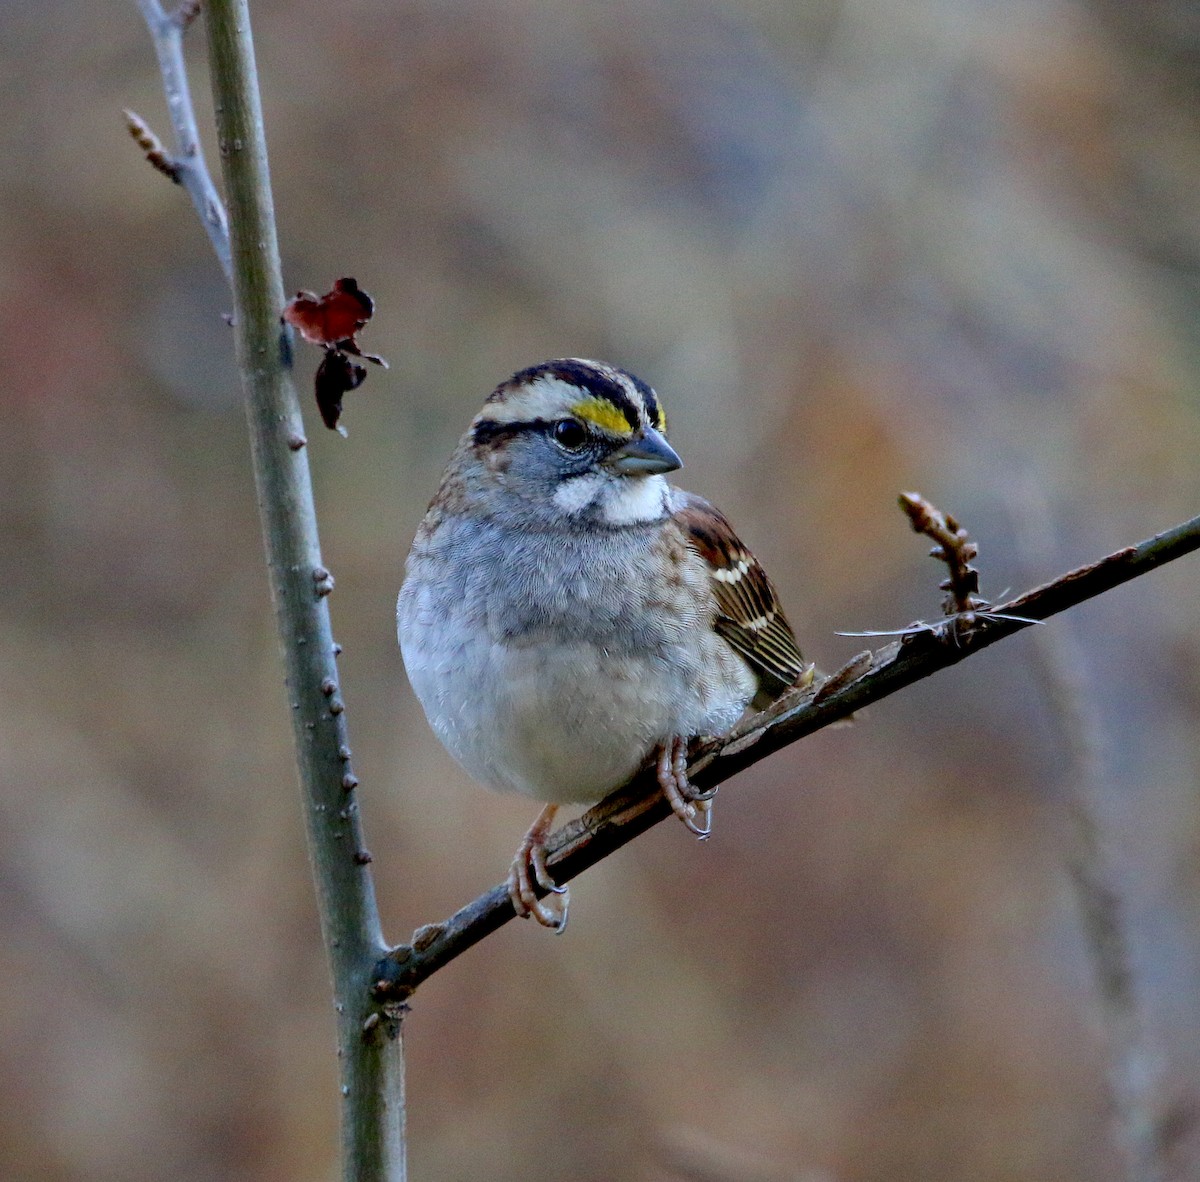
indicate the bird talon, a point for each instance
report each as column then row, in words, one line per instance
column 529, row 871
column 553, row 916
column 541, row 872
column 685, row 802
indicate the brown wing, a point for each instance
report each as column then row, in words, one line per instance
column 749, row 615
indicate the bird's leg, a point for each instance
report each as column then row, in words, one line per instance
column 685, row 802
column 529, row 867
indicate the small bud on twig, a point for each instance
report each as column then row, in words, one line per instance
column 152, row 147
column 954, row 547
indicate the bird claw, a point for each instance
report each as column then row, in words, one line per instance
column 686, row 803
column 529, row 871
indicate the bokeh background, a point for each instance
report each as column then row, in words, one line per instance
column 857, row 247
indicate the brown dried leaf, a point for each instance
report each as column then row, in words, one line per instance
column 331, row 321
column 336, row 375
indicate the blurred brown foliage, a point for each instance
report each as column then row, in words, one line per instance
column 857, row 248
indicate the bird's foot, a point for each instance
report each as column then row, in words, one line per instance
column 693, row 808
column 529, row 871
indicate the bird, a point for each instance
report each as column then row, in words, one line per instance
column 567, row 615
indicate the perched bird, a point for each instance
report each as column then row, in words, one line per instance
column 566, row 613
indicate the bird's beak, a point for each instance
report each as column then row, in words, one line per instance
column 646, row 454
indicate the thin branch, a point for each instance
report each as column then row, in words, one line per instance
column 952, row 546
column 369, row 1047
column 633, row 809
column 370, row 1053
column 1096, row 880
column 186, row 165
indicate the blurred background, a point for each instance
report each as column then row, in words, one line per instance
column 857, row 248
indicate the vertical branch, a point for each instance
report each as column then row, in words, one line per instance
column 1101, row 899
column 1096, row 880
column 369, row 1047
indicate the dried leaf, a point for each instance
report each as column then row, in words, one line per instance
column 336, row 375
column 331, row 319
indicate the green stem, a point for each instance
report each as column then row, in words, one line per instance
column 370, row 1050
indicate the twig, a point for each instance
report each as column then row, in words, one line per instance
column 1131, row 1055
column 953, row 547
column 1096, row 881
column 186, row 165
column 369, row 1048
column 633, row 809
column 370, row 1054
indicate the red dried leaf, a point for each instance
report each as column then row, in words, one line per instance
column 331, row 319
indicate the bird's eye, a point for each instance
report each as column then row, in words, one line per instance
column 569, row 434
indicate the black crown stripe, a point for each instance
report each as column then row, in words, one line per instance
column 596, row 382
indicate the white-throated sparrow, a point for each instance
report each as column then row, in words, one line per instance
column 566, row 612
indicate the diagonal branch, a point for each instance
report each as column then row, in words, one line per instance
column 920, row 652
column 186, row 165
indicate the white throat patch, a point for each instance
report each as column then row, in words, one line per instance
column 621, row 500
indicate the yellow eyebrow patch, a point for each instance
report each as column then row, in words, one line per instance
column 603, row 414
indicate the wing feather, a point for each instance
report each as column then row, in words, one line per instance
column 749, row 615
